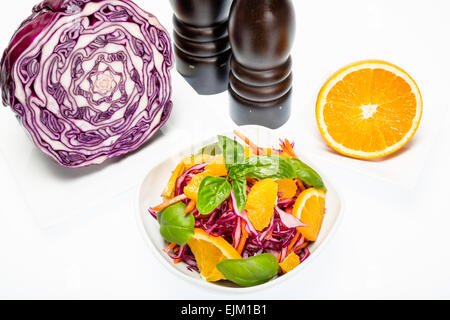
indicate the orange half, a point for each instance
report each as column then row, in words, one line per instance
column 369, row 109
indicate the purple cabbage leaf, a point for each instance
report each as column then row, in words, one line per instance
column 88, row 79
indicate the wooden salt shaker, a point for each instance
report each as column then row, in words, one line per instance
column 261, row 35
column 202, row 48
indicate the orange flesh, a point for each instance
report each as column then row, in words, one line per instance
column 217, row 167
column 389, row 104
column 287, row 188
column 170, row 188
column 261, row 203
column 290, row 263
column 209, row 251
column 191, row 190
column 312, row 215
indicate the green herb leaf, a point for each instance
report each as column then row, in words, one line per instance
column 175, row 226
column 213, row 149
column 212, row 192
column 239, row 170
column 250, row 272
column 307, row 174
column 273, row 167
column 232, row 151
column 239, row 184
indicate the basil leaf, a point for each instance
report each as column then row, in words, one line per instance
column 232, row 151
column 250, row 272
column 212, row 150
column 307, row 174
column 239, row 184
column 212, row 192
column 175, row 226
column 239, row 170
column 273, row 167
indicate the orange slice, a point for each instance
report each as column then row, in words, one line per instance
column 170, row 188
column 191, row 190
column 261, row 203
column 369, row 109
column 217, row 167
column 287, row 188
column 209, row 251
column 310, row 209
column 290, row 263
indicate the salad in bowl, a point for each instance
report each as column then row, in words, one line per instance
column 241, row 213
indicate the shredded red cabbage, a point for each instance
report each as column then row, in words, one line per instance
column 288, row 219
column 226, row 223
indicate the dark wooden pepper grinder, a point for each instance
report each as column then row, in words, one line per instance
column 202, row 47
column 261, row 35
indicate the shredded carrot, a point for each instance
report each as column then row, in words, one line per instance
column 303, row 246
column 279, row 257
column 170, row 247
column 300, row 184
column 170, row 202
column 294, row 241
column 284, row 149
column 255, row 149
column 243, row 240
column 191, row 206
column 177, row 261
column 286, row 146
column 290, row 149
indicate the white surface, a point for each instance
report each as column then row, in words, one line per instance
column 391, row 244
column 149, row 192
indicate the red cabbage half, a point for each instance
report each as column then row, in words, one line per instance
column 89, row 79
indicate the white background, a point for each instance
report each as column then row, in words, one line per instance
column 393, row 241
